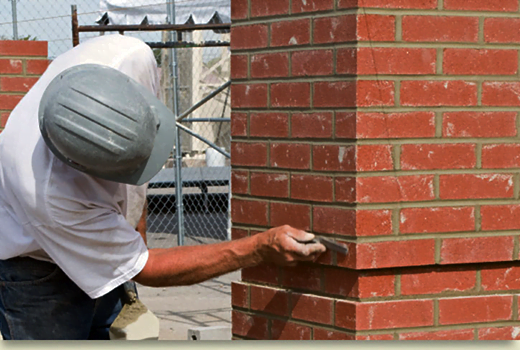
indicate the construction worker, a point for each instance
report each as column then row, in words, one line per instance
column 88, row 132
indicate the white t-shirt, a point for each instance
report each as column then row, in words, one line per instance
column 52, row 212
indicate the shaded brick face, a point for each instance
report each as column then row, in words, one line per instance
column 390, row 126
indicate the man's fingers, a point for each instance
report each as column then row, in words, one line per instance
column 300, row 236
column 307, row 250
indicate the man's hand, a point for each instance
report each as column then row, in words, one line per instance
column 286, row 246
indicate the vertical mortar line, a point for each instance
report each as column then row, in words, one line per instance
column 248, row 9
column 398, row 28
column 436, row 186
column 397, row 285
column 475, row 334
column 515, row 247
column 478, row 281
column 440, row 61
column 516, row 185
column 515, row 307
column 397, row 93
column 290, row 7
column 478, row 219
column 440, row 4
column 290, row 63
column 481, row 30
column 478, row 154
column 396, row 153
column 479, row 92
column 518, row 120
column 396, row 213
column 248, row 66
column 435, row 312
column 438, row 124
column 438, row 246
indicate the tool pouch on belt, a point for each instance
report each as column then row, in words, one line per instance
column 135, row 321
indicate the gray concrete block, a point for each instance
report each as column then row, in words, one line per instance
column 210, row 333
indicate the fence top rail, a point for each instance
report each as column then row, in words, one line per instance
column 153, row 27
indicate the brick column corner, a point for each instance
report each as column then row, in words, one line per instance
column 391, row 126
column 21, row 64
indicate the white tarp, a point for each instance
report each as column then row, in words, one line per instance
column 156, row 11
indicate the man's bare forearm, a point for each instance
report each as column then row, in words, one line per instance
column 189, row 265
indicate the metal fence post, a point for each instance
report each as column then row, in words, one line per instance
column 15, row 20
column 178, row 151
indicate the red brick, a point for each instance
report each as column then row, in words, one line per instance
column 353, row 284
column 312, row 188
column 23, row 48
column 269, row 125
column 375, row 28
column 249, row 212
column 239, row 294
column 501, row 94
column 270, row 65
column 239, row 181
column 239, row 66
column 438, row 156
column 500, row 278
column 334, row 220
column 10, row 66
column 9, row 102
column 249, row 96
column 311, row 125
column 480, row 62
column 299, row 6
column 334, row 158
column 502, row 30
column 249, row 37
column 500, row 217
column 482, row 5
column 441, row 219
column 372, row 93
column 269, row 185
column 302, row 276
column 346, row 125
column 290, row 95
column 290, row 155
column 388, row 189
column 291, row 33
column 239, row 9
column 479, row 124
column 312, row 308
column 346, row 61
column 384, row 315
column 238, row 234
column 312, row 62
column 466, row 186
column 295, row 215
column 392, row 254
column 398, row 4
column 238, row 124
column 270, row 300
column 375, row 337
column 325, row 334
column 335, row 29
column 438, row 93
column 16, row 84
column 476, row 250
column 374, row 158
column 501, row 156
column 254, row 327
column 281, row 330
column 440, row 29
column 454, row 334
column 261, row 274
column 434, row 281
column 248, row 154
column 499, row 333
column 4, row 117
column 373, row 222
column 395, row 125
column 345, row 189
column 334, row 94
column 262, row 8
column 403, row 61
column 475, row 309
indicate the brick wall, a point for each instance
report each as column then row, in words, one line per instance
column 392, row 126
column 21, row 63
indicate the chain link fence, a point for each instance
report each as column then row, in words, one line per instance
column 200, row 70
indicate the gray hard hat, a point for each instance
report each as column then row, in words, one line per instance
column 100, row 121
